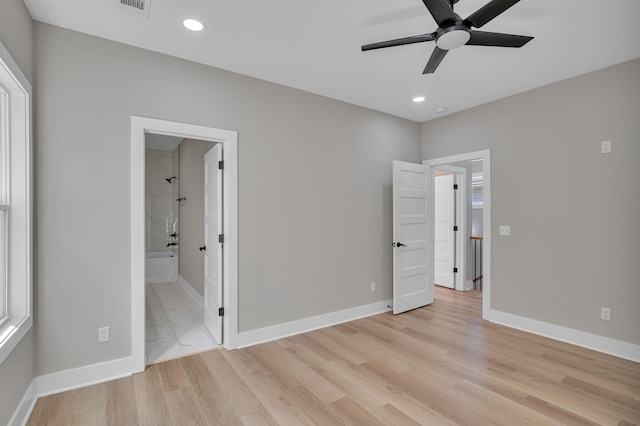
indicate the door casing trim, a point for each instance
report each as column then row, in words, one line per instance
column 485, row 156
column 229, row 139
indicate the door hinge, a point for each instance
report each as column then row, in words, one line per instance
column 221, row 165
column 455, row 228
column 221, row 238
column 455, row 270
column 220, row 312
column 455, row 186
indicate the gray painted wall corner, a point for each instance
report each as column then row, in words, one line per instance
column 574, row 244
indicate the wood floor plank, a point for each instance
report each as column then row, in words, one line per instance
column 307, row 376
column 183, row 404
column 625, row 402
column 437, row 365
column 121, row 402
column 550, row 410
column 234, row 391
column 565, row 397
column 52, row 410
column 151, row 400
column 353, row 413
column 317, row 411
column 258, row 419
column 623, row 422
column 200, row 379
column 339, row 344
column 278, row 371
column 503, row 410
column 269, row 393
column 390, row 415
column 88, row 405
column 171, row 375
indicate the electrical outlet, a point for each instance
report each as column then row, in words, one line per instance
column 605, row 147
column 505, row 231
column 373, row 287
column 103, row 334
column 605, row 314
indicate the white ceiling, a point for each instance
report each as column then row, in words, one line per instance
column 314, row 45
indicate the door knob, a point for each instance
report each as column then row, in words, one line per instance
column 203, row 248
column 400, row 245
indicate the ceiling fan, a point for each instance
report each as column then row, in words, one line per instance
column 454, row 32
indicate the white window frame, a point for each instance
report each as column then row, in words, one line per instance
column 4, row 205
column 17, row 150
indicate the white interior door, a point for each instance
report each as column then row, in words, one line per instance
column 213, row 248
column 444, row 235
column 412, row 236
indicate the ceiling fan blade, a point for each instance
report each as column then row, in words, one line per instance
column 436, row 57
column 489, row 11
column 440, row 10
column 400, row 41
column 483, row 38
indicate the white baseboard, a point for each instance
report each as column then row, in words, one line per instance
column 279, row 331
column 28, row 401
column 61, row 381
column 192, row 291
column 468, row 285
column 602, row 344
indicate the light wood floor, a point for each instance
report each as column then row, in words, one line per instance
column 435, row 365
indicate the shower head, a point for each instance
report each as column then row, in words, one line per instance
column 171, row 178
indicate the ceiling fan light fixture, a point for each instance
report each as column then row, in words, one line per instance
column 193, row 24
column 453, row 37
column 419, row 99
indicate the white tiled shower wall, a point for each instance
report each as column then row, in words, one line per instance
column 161, row 208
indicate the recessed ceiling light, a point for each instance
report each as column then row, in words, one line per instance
column 193, row 24
column 418, row 99
column 440, row 110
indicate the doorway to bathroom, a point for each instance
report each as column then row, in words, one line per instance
column 176, row 197
column 179, row 318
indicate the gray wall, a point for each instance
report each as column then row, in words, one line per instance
column 17, row 371
column 575, row 238
column 192, row 211
column 314, row 190
column 16, row 33
column 476, row 226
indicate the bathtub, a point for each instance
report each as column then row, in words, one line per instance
column 161, row 267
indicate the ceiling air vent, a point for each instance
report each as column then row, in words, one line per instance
column 136, row 7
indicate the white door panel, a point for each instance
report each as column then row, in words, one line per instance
column 412, row 222
column 444, row 236
column 213, row 253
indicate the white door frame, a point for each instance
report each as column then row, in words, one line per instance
column 461, row 218
column 213, row 248
column 139, row 127
column 485, row 156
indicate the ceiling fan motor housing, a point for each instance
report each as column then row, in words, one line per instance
column 453, row 36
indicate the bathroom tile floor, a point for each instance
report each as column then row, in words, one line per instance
column 175, row 324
